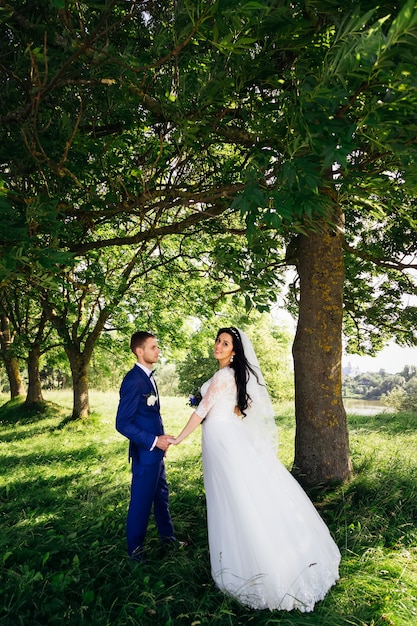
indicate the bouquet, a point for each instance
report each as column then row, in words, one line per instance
column 195, row 399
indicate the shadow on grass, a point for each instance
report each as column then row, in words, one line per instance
column 65, row 500
column 18, row 412
column 36, row 419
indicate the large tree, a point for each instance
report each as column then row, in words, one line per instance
column 349, row 103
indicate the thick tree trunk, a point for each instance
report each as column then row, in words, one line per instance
column 15, row 382
column 78, row 360
column 79, row 370
column 34, row 393
column 322, row 441
column 10, row 362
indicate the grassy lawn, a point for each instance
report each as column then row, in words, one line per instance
column 64, row 490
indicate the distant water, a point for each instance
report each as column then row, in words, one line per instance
column 365, row 407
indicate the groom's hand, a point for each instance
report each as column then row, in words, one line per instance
column 163, row 442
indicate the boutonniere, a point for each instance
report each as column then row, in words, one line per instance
column 195, row 399
column 150, row 399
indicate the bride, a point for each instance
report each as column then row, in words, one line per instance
column 269, row 548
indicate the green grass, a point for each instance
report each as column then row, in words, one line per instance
column 64, row 489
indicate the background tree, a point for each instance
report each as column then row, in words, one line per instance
column 33, row 335
column 9, row 358
column 404, row 398
column 372, row 385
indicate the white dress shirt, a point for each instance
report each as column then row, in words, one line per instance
column 148, row 372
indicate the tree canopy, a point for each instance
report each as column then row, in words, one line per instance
column 225, row 139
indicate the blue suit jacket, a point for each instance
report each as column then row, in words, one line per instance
column 136, row 420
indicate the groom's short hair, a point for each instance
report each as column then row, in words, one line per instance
column 138, row 339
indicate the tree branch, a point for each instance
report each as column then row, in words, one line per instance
column 380, row 262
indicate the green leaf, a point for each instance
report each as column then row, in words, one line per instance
column 6, row 555
column 88, row 597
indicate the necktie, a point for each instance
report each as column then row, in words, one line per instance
column 151, row 376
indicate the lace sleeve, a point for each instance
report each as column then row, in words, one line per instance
column 222, row 381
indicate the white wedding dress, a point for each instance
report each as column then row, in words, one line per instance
column 269, row 548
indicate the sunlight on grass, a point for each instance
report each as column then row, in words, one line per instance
column 64, row 490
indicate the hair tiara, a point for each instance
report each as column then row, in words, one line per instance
column 235, row 332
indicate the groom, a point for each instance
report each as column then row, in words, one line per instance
column 138, row 418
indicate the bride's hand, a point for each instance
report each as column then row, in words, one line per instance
column 172, row 440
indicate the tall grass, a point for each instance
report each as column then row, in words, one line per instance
column 64, row 489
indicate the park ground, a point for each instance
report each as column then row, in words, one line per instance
column 64, row 488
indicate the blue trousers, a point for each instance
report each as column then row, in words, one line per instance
column 149, row 488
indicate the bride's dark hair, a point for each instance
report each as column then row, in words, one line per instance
column 240, row 366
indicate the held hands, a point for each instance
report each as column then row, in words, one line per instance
column 163, row 442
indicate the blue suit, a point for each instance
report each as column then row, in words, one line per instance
column 141, row 423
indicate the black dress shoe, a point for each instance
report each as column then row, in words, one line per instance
column 168, row 541
column 172, row 543
column 138, row 555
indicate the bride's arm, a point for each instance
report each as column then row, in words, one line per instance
column 194, row 421
column 217, row 387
